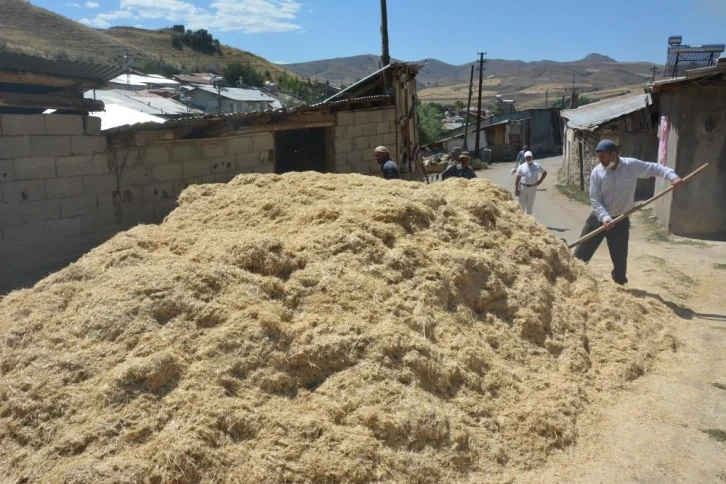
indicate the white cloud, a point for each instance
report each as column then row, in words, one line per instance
column 105, row 20
column 74, row 5
column 91, row 5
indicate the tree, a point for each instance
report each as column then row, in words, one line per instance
column 249, row 75
column 459, row 104
column 429, row 123
column 496, row 110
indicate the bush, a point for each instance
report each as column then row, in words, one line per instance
column 250, row 75
column 201, row 41
column 176, row 41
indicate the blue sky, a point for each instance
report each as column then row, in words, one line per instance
column 451, row 31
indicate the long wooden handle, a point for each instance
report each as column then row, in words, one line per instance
column 636, row 208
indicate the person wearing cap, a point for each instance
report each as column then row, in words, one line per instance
column 612, row 192
column 461, row 169
column 527, row 181
column 388, row 166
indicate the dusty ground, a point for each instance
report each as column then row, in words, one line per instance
column 656, row 432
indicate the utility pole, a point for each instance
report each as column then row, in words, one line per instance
column 655, row 70
column 547, row 99
column 478, row 108
column 468, row 108
column 385, row 57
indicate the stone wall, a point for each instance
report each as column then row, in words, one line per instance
column 357, row 133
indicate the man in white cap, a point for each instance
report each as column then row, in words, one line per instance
column 527, row 181
column 388, row 166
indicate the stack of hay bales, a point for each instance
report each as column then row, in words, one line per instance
column 315, row 328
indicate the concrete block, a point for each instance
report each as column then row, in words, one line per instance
column 87, row 145
column 105, row 201
column 192, row 169
column 213, row 150
column 370, row 129
column 9, row 214
column 64, row 187
column 15, row 146
column 60, row 124
column 34, row 168
column 383, row 128
column 23, row 190
column 137, row 214
column 99, row 183
column 131, row 196
column 245, row 161
column 156, row 154
column 267, row 156
column 364, row 143
column 263, row 141
column 346, row 119
column 50, row 145
column 361, row 117
column 100, row 164
column 375, row 116
column 75, row 206
column 23, row 234
column 167, row 172
column 23, row 124
column 183, row 152
column 92, row 125
column 132, row 177
column 161, row 191
column 345, row 169
column 100, row 221
column 6, row 171
column 75, row 165
column 223, row 165
column 340, row 132
column 355, row 157
column 390, row 141
column 125, row 158
column 65, row 227
column 343, row 145
column 355, row 131
column 241, row 144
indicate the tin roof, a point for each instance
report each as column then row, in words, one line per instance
column 593, row 115
column 690, row 76
column 87, row 71
column 237, row 93
column 138, row 80
column 143, row 102
column 372, row 79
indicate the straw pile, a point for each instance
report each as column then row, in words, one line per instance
column 314, row 328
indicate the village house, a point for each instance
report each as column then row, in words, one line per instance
column 629, row 120
column 226, row 100
column 66, row 185
column 693, row 132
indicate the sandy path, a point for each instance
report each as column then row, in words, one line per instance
column 654, row 431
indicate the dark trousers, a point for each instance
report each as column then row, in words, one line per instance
column 617, row 238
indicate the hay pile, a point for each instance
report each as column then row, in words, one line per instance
column 314, row 328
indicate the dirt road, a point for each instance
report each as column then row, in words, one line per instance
column 668, row 426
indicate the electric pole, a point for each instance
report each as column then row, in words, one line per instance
column 654, row 69
column 468, row 108
column 478, row 108
column 547, row 99
column 385, row 57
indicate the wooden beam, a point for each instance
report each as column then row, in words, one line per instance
column 13, row 77
column 49, row 101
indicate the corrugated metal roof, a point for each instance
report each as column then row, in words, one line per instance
column 691, row 75
column 137, row 80
column 415, row 66
column 238, row 94
column 593, row 115
column 142, row 101
column 88, row 71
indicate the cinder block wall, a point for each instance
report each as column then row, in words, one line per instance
column 51, row 169
column 357, row 134
column 62, row 191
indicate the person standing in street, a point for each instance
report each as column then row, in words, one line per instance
column 520, row 158
column 527, row 181
column 388, row 166
column 612, row 193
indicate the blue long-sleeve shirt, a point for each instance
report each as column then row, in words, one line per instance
column 612, row 191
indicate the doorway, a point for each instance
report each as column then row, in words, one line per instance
column 300, row 150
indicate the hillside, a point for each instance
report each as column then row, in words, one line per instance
column 33, row 30
column 529, row 83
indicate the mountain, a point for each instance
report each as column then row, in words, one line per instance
column 529, row 83
column 32, row 30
